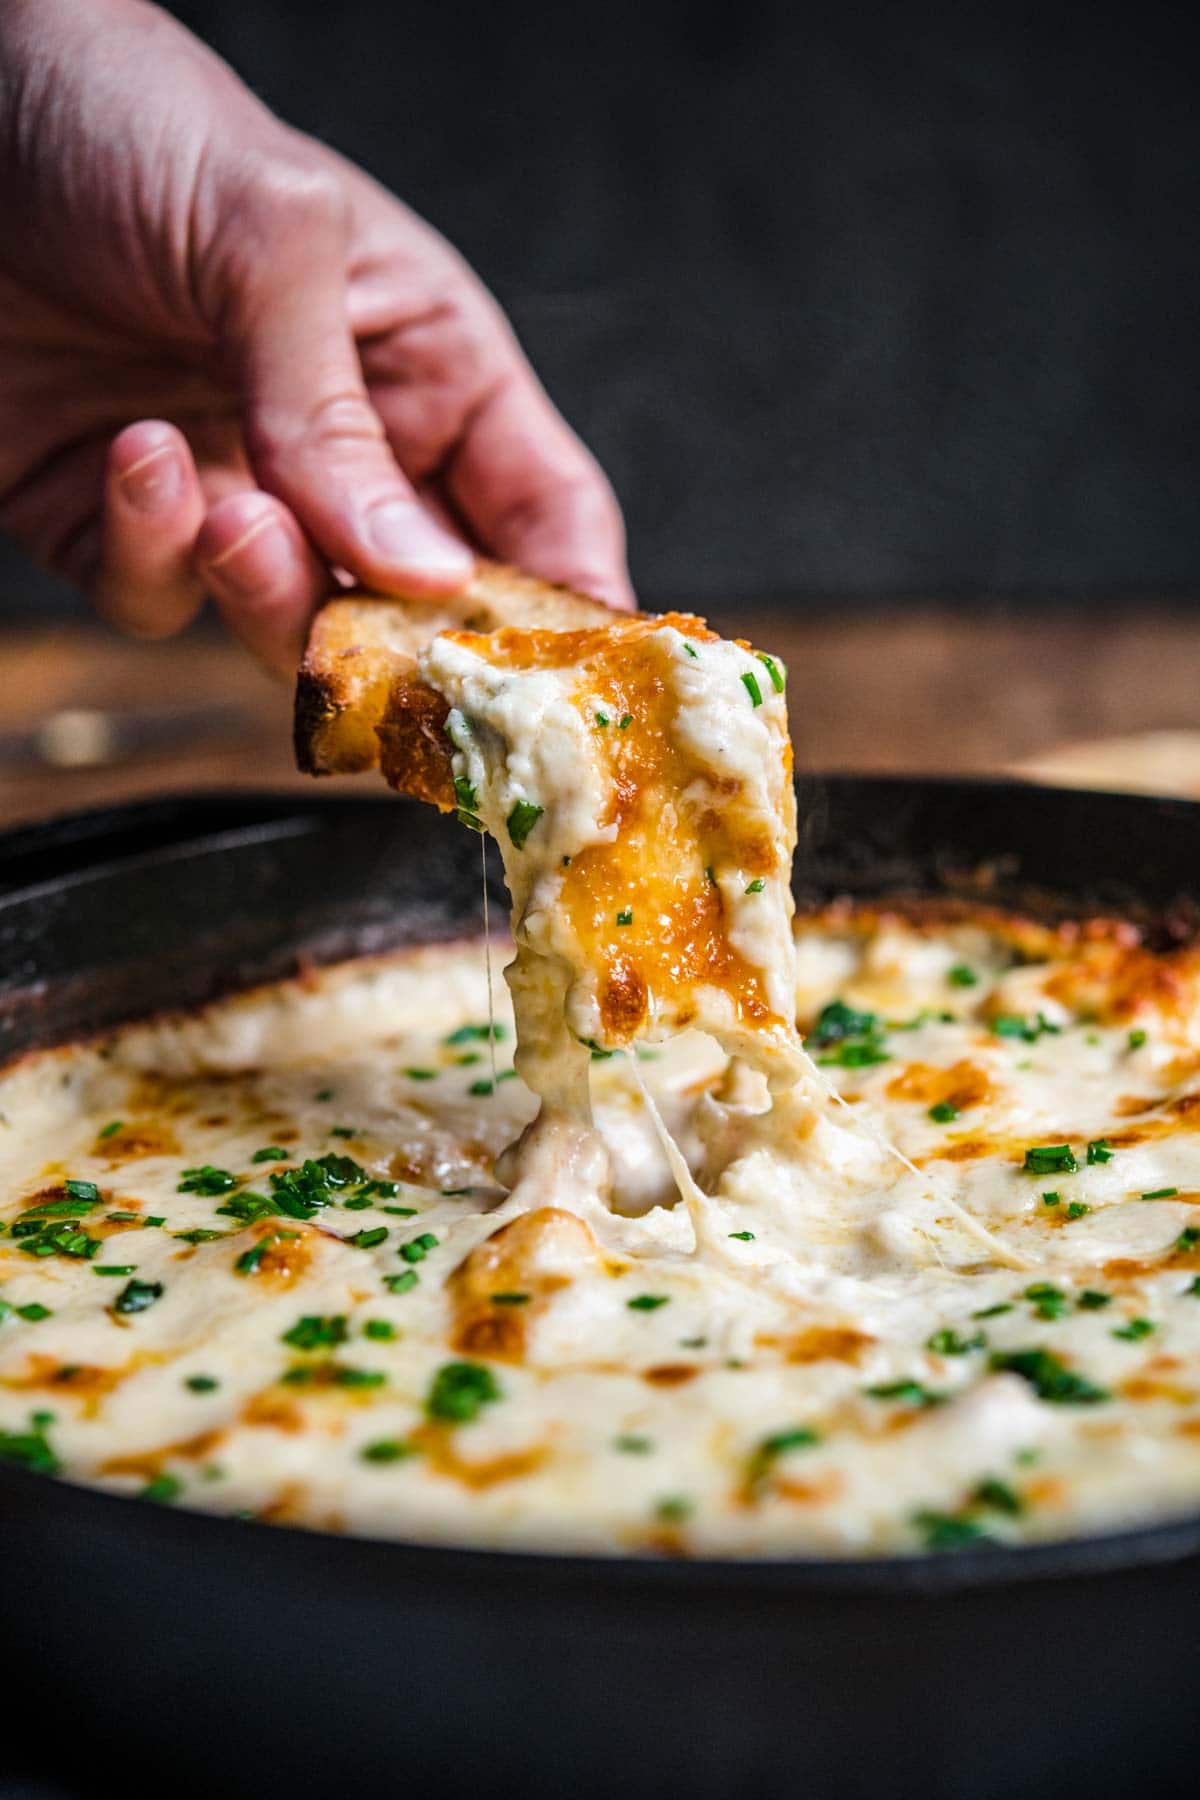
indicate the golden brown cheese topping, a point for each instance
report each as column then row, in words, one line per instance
column 260, row 1260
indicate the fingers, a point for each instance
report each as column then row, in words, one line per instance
column 263, row 575
column 153, row 508
column 532, row 494
column 314, row 437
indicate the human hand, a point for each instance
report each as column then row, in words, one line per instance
column 230, row 362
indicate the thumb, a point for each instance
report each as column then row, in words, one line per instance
column 313, row 436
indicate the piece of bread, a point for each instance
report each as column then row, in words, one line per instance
column 359, row 702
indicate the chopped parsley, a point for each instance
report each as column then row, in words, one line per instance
column 521, row 821
column 1050, row 1159
column 647, row 1302
column 206, row 1180
column 1049, row 1377
column 750, row 683
column 459, row 1392
column 1099, row 1150
column 136, row 1296
column 316, row 1332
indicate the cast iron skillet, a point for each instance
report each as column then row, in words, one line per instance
column 160, row 1651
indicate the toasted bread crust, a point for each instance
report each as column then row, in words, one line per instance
column 357, row 699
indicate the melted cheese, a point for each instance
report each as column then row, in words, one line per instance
column 813, row 1356
column 637, row 778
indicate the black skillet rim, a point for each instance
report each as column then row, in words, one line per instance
column 210, row 815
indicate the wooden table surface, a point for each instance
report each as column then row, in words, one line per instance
column 1108, row 697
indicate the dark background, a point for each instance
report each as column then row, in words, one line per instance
column 853, row 303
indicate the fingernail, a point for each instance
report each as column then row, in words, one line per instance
column 261, row 561
column 401, row 532
column 154, row 483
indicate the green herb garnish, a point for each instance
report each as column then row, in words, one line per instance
column 1049, row 1377
column 647, row 1302
column 521, row 821
column 316, row 1332
column 1099, row 1150
column 750, row 683
column 459, row 1392
column 136, row 1296
column 1050, row 1159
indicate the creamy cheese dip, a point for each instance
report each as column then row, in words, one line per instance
column 258, row 1260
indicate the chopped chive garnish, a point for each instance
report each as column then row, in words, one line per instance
column 776, row 670
column 1161, row 1194
column 418, row 1248
column 386, row 1450
column 1050, row 1159
column 470, row 820
column 947, row 1342
column 624, row 722
column 34, row 1311
column 602, row 718
column 82, row 1190
column 113, row 1268
column 110, row 1130
column 421, row 1074
column 756, row 886
column 1077, row 1209
column 401, row 1284
column 750, row 683
column 690, row 649
column 962, row 976
column 631, row 1443
column 1049, row 1377
column 1051, row 1199
column 1133, row 1331
column 647, row 1302
column 673, row 1509
column 521, row 821
column 459, row 1392
column 1092, row 1300
column 206, row 1180
column 464, row 793
column 162, row 1490
column 943, row 1112
column 201, row 1384
column 481, row 1088
column 367, row 1240
column 382, row 1330
column 511, row 1299
column 625, row 916
column 269, row 1153
column 744, row 1237
column 136, row 1296
column 316, row 1332
column 1136, row 1038
column 993, row 1312
column 1100, row 1151
column 913, row 1393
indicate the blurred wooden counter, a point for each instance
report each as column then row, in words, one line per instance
column 1108, row 697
